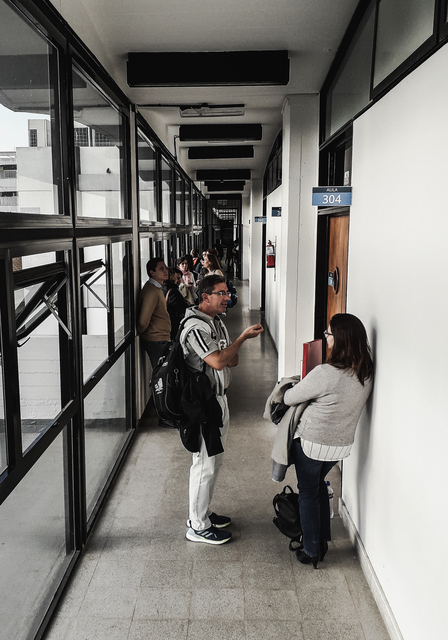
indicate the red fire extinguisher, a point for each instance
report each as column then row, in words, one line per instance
column 270, row 255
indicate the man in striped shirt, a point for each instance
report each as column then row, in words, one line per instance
column 208, row 342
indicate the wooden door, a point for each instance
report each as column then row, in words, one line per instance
column 337, row 266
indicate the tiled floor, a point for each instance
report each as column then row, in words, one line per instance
column 140, row 579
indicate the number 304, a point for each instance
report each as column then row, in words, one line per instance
column 331, row 199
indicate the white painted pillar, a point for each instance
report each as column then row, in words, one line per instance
column 296, row 255
column 245, row 239
column 255, row 249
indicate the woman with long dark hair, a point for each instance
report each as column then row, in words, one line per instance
column 212, row 265
column 188, row 284
column 336, row 392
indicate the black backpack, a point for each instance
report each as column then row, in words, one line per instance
column 186, row 397
column 287, row 516
column 169, row 378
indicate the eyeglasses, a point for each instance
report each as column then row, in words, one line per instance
column 223, row 294
column 327, row 333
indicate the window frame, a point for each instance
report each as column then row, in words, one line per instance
column 424, row 51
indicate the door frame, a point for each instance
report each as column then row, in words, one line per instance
column 322, row 257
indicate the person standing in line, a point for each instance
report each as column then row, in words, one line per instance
column 199, row 266
column 175, row 302
column 188, row 284
column 195, row 255
column 337, row 392
column 209, row 343
column 212, row 266
column 153, row 324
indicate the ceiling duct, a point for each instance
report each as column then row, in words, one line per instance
column 217, row 132
column 226, row 186
column 207, row 68
column 210, row 153
column 222, row 174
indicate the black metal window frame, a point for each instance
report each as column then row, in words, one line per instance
column 122, row 106
column 52, row 279
column 438, row 38
column 272, row 178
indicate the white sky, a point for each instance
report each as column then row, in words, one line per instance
column 14, row 128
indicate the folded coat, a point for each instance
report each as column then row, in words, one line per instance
column 280, row 455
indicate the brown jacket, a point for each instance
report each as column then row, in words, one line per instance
column 153, row 322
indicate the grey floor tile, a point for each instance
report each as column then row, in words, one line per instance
column 216, row 630
column 98, row 628
column 268, row 575
column 331, row 629
column 324, row 594
column 158, row 630
column 271, row 605
column 163, row 604
column 211, row 604
column 270, row 630
column 165, row 572
column 219, row 574
column 115, row 602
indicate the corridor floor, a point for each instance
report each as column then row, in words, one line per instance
column 140, row 579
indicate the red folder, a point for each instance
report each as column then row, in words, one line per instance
column 312, row 356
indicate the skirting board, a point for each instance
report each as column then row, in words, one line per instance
column 370, row 575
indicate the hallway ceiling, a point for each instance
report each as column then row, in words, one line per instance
column 310, row 30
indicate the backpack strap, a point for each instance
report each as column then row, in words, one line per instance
column 182, row 326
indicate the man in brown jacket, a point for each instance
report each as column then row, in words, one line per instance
column 153, row 322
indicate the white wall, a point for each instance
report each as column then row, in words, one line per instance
column 273, row 284
column 245, row 239
column 394, row 482
column 292, row 293
column 255, row 245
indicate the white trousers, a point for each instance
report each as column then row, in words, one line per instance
column 203, row 475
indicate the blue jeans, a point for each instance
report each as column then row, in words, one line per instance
column 153, row 349
column 314, row 506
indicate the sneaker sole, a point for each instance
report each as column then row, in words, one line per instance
column 217, row 526
column 195, row 538
column 221, row 526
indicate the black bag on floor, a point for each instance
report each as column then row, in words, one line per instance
column 287, row 516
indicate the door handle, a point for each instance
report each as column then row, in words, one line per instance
column 336, row 280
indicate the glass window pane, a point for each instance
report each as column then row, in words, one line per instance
column 403, row 25
column 28, row 126
column 34, row 550
column 187, row 204
column 39, row 319
column 350, row 90
column 194, row 212
column 147, row 180
column 179, row 196
column 145, row 255
column 95, row 306
column 99, row 144
column 121, row 295
column 167, row 186
column 105, row 429
column 3, row 452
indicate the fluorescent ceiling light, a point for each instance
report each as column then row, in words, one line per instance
column 211, row 110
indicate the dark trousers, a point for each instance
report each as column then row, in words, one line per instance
column 314, row 505
column 153, row 349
